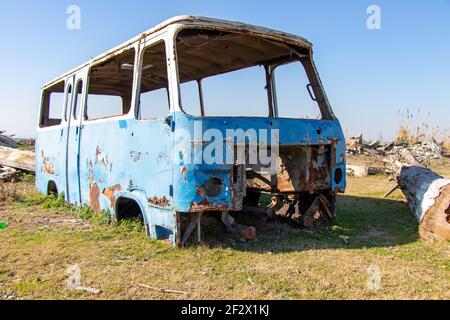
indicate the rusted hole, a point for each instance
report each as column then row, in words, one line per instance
column 213, row 187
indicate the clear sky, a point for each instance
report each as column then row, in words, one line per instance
column 372, row 77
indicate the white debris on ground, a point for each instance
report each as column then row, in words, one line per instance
column 10, row 170
column 423, row 151
column 7, row 174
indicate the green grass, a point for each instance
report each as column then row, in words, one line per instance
column 45, row 236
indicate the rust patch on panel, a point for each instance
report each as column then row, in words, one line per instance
column 160, row 202
column 94, row 198
column 183, row 172
column 200, row 191
column 298, row 169
column 98, row 152
column 101, row 160
column 205, row 205
column 110, row 194
column 91, row 172
column 48, row 165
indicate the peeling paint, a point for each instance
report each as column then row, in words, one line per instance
column 110, row 194
column 160, row 202
column 48, row 164
column 94, row 198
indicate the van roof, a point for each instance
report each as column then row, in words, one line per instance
column 196, row 21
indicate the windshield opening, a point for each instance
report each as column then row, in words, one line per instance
column 231, row 75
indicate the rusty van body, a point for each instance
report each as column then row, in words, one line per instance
column 120, row 160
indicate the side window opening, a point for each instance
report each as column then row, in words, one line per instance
column 52, row 106
column 190, row 98
column 153, row 92
column 111, row 87
column 78, row 99
column 68, row 101
column 292, row 96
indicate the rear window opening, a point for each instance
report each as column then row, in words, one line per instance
column 230, row 74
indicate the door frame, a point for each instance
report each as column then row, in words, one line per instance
column 73, row 147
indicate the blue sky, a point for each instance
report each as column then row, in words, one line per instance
column 369, row 75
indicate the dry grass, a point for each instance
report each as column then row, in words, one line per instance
column 8, row 193
column 446, row 145
column 442, row 167
column 284, row 263
column 414, row 128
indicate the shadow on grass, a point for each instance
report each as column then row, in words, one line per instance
column 361, row 222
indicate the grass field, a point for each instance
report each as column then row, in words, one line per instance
column 43, row 239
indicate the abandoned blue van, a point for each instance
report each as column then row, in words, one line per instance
column 195, row 116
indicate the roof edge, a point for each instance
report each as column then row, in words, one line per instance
column 192, row 19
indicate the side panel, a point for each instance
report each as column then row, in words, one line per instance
column 119, row 156
column 51, row 151
column 50, row 159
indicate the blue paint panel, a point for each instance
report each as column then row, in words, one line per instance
column 50, row 159
column 123, row 124
column 143, row 160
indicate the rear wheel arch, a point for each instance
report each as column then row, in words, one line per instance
column 52, row 188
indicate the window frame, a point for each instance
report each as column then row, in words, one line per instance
column 325, row 110
column 46, row 100
column 75, row 96
column 84, row 118
column 273, row 85
column 148, row 43
column 68, row 97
